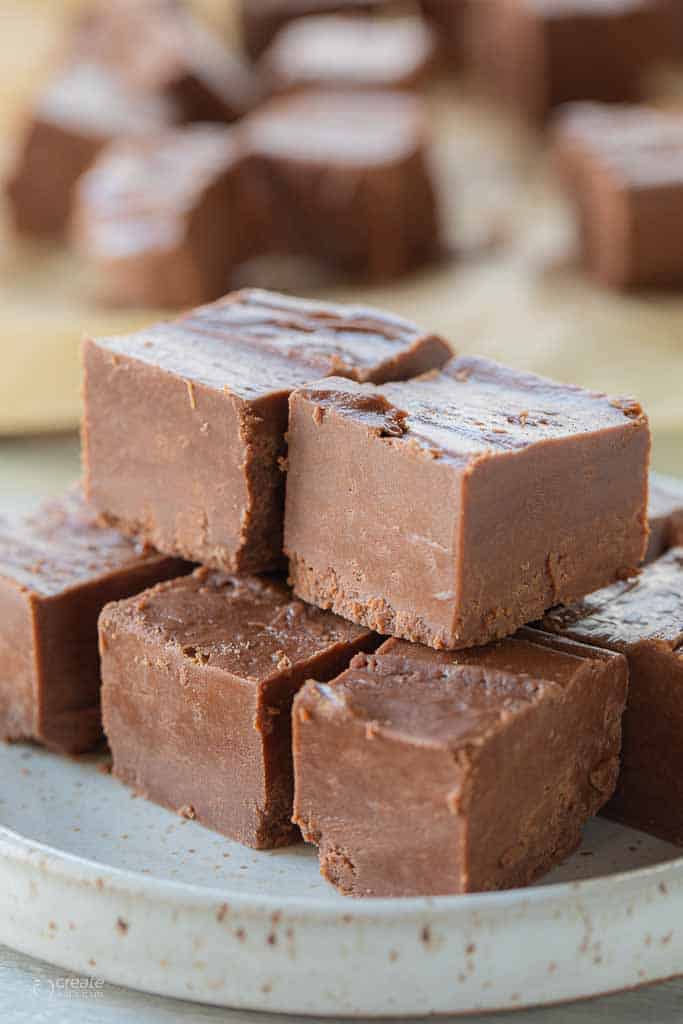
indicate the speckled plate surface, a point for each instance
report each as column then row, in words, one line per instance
column 99, row 882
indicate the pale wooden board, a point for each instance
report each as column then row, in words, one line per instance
column 521, row 302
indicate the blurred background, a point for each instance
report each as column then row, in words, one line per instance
column 508, row 285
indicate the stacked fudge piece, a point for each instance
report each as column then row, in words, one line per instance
column 423, row 772
column 430, row 465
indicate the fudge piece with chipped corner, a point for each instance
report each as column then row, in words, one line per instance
column 422, row 773
column 453, row 509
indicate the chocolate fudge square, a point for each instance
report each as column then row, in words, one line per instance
column 74, row 118
column 198, row 680
column 185, row 421
column 166, row 220
column 262, row 20
column 665, row 514
column 421, row 773
column 643, row 619
column 623, row 169
column 350, row 181
column 58, row 568
column 542, row 53
column 331, row 52
column 451, row 509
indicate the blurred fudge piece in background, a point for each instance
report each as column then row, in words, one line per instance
column 538, row 54
column 74, row 118
column 623, row 170
column 164, row 221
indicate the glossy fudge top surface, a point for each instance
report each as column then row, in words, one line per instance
column 619, row 617
column 255, row 343
column 346, row 49
column 475, row 408
column 61, row 546
column 450, row 698
column 163, row 173
column 353, row 128
column 249, row 626
column 88, row 99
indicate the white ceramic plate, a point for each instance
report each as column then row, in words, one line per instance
column 94, row 880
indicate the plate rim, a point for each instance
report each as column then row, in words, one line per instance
column 75, row 868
